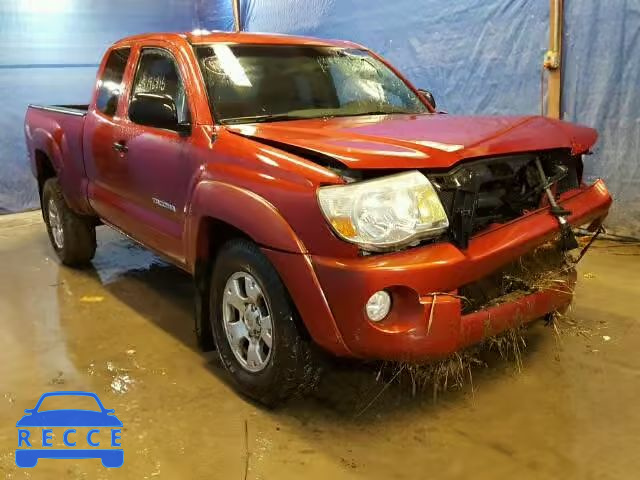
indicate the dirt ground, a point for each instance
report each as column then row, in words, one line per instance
column 123, row 329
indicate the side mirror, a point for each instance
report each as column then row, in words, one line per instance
column 107, row 99
column 429, row 96
column 156, row 111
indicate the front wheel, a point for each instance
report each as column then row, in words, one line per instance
column 254, row 325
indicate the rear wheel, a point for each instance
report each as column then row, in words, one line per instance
column 72, row 236
column 255, row 329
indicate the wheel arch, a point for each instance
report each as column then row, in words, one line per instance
column 51, row 156
column 234, row 210
column 44, row 170
column 218, row 213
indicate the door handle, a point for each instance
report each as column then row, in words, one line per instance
column 120, row 147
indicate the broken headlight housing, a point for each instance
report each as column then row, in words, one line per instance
column 384, row 213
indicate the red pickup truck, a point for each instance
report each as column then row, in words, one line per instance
column 320, row 201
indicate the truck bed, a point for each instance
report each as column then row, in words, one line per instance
column 56, row 133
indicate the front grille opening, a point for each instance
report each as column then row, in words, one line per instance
column 497, row 190
column 547, row 267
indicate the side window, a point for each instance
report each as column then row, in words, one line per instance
column 110, row 83
column 158, row 74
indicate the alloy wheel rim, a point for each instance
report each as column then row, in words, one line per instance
column 55, row 224
column 247, row 321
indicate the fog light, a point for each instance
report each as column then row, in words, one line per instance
column 378, row 306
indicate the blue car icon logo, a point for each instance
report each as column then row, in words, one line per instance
column 27, row 453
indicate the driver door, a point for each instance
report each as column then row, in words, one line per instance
column 159, row 161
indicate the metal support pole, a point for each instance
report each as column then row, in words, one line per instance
column 237, row 25
column 553, row 59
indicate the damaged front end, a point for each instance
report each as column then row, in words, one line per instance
column 503, row 261
column 497, row 190
column 482, row 193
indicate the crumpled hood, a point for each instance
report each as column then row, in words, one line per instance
column 419, row 141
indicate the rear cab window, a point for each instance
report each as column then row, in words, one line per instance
column 110, row 82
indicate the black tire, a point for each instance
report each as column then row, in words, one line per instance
column 293, row 367
column 78, row 233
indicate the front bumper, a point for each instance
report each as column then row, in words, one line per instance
column 331, row 295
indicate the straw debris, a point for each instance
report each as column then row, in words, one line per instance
column 454, row 372
column 546, row 268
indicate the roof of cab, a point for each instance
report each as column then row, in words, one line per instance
column 206, row 36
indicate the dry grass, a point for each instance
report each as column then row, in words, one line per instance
column 455, row 371
column 547, row 268
column 565, row 324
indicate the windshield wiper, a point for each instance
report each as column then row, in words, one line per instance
column 275, row 117
column 375, row 112
column 279, row 117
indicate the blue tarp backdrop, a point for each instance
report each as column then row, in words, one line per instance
column 49, row 53
column 485, row 57
column 476, row 57
column 601, row 88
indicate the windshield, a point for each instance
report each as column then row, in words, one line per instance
column 249, row 83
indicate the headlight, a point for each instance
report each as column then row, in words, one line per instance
column 386, row 212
